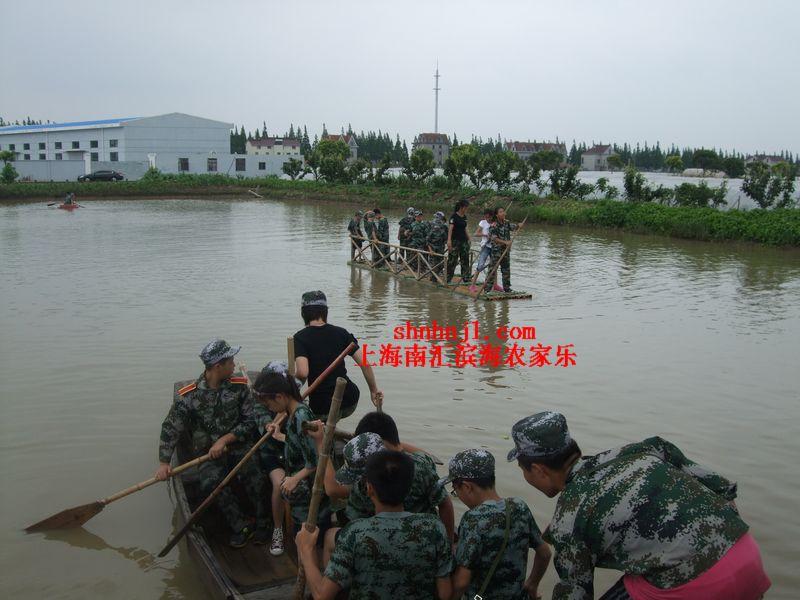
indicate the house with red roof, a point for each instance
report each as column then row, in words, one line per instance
column 596, row 158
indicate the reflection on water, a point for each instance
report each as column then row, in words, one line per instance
column 103, row 309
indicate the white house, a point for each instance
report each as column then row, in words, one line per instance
column 438, row 143
column 596, row 158
column 274, row 146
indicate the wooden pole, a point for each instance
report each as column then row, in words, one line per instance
column 319, row 477
column 290, row 354
column 502, row 256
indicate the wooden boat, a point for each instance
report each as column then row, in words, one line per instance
column 68, row 206
column 248, row 573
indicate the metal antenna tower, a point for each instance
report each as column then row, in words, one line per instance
column 436, row 89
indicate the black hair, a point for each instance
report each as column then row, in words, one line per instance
column 380, row 423
column 495, row 211
column 485, row 483
column 488, row 211
column 555, row 461
column 377, row 211
column 460, row 204
column 270, row 382
column 314, row 312
column 390, row 474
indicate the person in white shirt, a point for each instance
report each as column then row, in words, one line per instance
column 486, row 244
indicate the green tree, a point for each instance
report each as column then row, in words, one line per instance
column 294, row 168
column 9, row 173
column 708, row 160
column 420, row 165
column 733, row 166
column 381, row 177
column 466, row 161
column 499, row 166
column 638, row 190
column 674, row 163
column 546, row 160
column 564, row 182
column 615, row 162
column 359, row 171
column 701, row 195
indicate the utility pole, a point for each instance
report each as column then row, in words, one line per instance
column 436, row 89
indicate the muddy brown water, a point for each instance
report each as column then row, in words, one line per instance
column 102, row 309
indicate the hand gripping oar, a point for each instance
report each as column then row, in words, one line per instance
column 200, row 509
column 319, row 477
column 77, row 516
column 502, row 256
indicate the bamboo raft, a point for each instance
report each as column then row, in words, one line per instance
column 420, row 265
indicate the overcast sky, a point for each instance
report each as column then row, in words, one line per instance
column 713, row 73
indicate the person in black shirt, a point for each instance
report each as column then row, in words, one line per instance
column 316, row 346
column 458, row 242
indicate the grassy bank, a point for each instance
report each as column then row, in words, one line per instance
column 780, row 227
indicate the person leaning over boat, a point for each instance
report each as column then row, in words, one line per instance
column 458, row 242
column 395, row 554
column 494, row 534
column 419, row 239
column 369, row 233
column 500, row 238
column 354, row 228
column 316, row 346
column 216, row 411
column 437, row 237
column 278, row 392
column 380, row 231
column 667, row 523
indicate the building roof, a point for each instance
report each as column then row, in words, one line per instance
column 535, row 147
column 269, row 142
column 72, row 124
column 432, row 138
column 338, row 137
column 598, row 149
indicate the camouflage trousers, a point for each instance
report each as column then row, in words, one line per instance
column 353, row 244
column 379, row 251
column 504, row 266
column 211, row 473
column 459, row 253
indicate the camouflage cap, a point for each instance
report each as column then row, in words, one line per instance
column 540, row 436
column 315, row 298
column 369, row 213
column 359, row 213
column 356, row 452
column 438, row 215
column 217, row 350
column 417, row 213
column 475, row 463
column 410, row 211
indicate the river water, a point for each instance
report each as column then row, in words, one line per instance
column 103, row 309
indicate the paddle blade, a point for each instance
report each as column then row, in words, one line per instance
column 66, row 519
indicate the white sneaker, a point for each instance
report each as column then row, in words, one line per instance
column 276, row 547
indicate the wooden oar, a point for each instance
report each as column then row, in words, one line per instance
column 502, row 256
column 200, row 509
column 319, row 478
column 77, row 516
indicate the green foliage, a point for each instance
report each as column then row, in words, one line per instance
column 564, row 182
column 708, row 160
column 359, row 171
column 546, row 160
column 674, row 163
column 381, row 177
column 770, row 187
column 638, row 190
column 733, row 166
column 615, row 162
column 701, row 195
column 499, row 166
column 6, row 156
column 294, row 168
column 420, row 165
column 466, row 161
column 9, row 173
column 609, row 191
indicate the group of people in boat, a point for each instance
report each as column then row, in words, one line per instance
column 448, row 242
column 386, row 526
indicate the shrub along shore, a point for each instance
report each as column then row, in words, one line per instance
column 779, row 227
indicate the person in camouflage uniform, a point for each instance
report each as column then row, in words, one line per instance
column 458, row 242
column 489, row 522
column 369, row 228
column 419, row 239
column 215, row 412
column 500, row 238
column 354, row 228
column 643, row 509
column 436, row 240
column 404, row 230
column 393, row 555
column 278, row 391
column 380, row 231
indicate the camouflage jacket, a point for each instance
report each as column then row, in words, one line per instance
column 480, row 537
column 391, row 556
column 644, row 509
column 424, row 496
column 382, row 229
column 263, row 417
column 354, row 227
column 404, row 232
column 299, row 452
column 368, row 227
column 206, row 415
column 437, row 236
column 501, row 231
column 419, row 234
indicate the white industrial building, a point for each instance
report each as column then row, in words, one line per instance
column 173, row 143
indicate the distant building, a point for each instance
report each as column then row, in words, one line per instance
column 172, row 143
column 438, row 143
column 348, row 139
column 273, row 146
column 769, row 160
column 596, row 158
column 525, row 149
